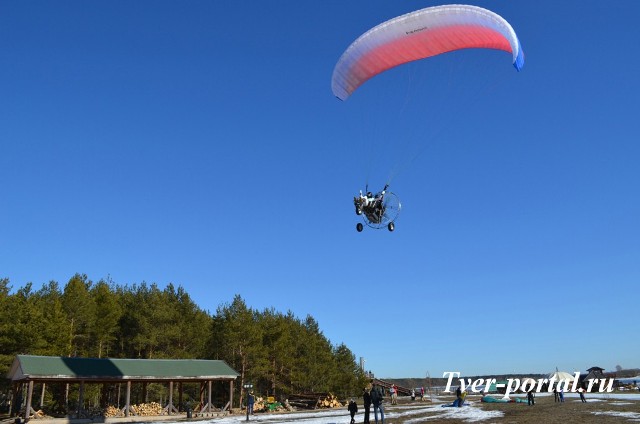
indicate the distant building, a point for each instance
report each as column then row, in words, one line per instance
column 592, row 374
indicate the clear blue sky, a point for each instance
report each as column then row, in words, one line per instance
column 199, row 143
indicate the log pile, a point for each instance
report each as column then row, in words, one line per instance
column 329, row 401
column 314, row 400
column 269, row 405
column 259, row 405
column 39, row 414
column 147, row 409
column 112, row 411
column 142, row 409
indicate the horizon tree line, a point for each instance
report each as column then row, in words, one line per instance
column 279, row 353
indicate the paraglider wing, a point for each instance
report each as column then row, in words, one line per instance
column 418, row 35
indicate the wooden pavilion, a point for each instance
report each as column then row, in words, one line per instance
column 30, row 370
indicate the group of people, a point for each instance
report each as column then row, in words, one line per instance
column 420, row 393
column 558, row 395
column 373, row 396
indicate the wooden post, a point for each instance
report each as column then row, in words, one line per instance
column 27, row 410
column 14, row 399
column 42, row 396
column 81, row 401
column 201, row 404
column 209, row 397
column 170, row 398
column 169, row 409
column 180, row 396
column 230, row 395
column 127, row 405
column 144, row 392
column 104, row 396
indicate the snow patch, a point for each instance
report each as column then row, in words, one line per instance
column 635, row 416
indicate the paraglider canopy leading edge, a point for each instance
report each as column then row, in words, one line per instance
column 418, row 35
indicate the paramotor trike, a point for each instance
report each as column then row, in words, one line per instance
column 377, row 211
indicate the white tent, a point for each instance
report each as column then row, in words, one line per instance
column 561, row 375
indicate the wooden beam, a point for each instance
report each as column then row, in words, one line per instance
column 14, row 398
column 201, row 404
column 170, row 408
column 127, row 406
column 42, row 396
column 80, row 412
column 170, row 404
column 144, row 392
column 207, row 407
column 27, row 410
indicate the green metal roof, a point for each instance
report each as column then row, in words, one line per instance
column 28, row 367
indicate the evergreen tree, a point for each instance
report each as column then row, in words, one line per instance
column 107, row 315
column 238, row 339
column 314, row 358
column 25, row 319
column 348, row 379
column 80, row 310
column 49, row 301
column 192, row 326
column 143, row 322
column 7, row 341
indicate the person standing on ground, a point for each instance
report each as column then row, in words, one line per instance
column 581, row 391
column 250, row 401
column 561, row 394
column 366, row 398
column 531, row 398
column 353, row 408
column 376, row 398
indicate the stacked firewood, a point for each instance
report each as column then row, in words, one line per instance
column 147, row 409
column 329, row 401
column 259, row 404
column 314, row 400
column 269, row 404
column 39, row 414
column 112, row 411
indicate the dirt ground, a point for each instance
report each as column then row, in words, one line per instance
column 613, row 409
column 544, row 411
column 547, row 411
